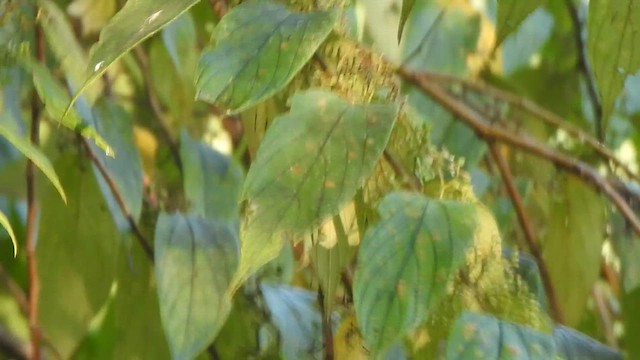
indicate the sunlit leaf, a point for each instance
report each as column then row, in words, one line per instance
column 77, row 253
column 293, row 312
column 405, row 263
column 260, row 47
column 93, row 14
column 573, row 345
column 480, row 336
column 407, row 6
column 212, row 181
column 4, row 222
column 613, row 35
column 136, row 21
column 33, row 154
column 511, row 13
column 195, row 260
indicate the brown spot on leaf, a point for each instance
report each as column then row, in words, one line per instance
column 329, row 184
column 296, row 169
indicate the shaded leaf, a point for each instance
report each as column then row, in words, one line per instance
column 613, row 35
column 212, row 181
column 527, row 270
column 407, row 6
column 631, row 319
column 33, row 154
column 136, row 21
column 77, row 253
column 511, row 13
column 405, row 263
column 195, row 260
column 481, row 336
column 180, row 39
column 519, row 48
column 260, row 47
column 573, row 345
column 293, row 312
column 4, row 222
column 93, row 14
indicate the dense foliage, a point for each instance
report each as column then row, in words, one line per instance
column 384, row 179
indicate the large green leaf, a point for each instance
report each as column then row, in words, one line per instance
column 613, row 35
column 572, row 245
column 77, row 253
column 572, row 345
column 195, row 260
column 212, row 181
column 405, row 263
column 4, row 222
column 260, row 47
column 38, row 158
column 480, row 336
column 136, row 21
column 511, row 13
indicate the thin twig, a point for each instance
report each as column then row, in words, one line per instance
column 540, row 113
column 32, row 212
column 482, row 127
column 154, row 103
column 527, row 229
column 604, row 315
column 11, row 346
column 585, row 67
column 410, row 179
column 146, row 244
column 327, row 333
column 15, row 290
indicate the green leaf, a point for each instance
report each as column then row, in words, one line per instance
column 405, row 263
column 180, row 38
column 212, row 181
column 631, row 319
column 407, row 6
column 481, row 336
column 260, row 47
column 293, row 312
column 511, row 13
column 77, row 253
column 55, row 98
column 4, row 222
column 136, row 21
column 195, row 260
column 572, row 244
column 33, row 154
column 573, row 345
column 613, row 35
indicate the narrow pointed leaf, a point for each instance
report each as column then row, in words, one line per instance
column 407, row 6
column 195, row 260
column 613, row 35
column 480, row 336
column 511, row 13
column 33, row 154
column 260, row 47
column 136, row 21
column 4, row 222
column 405, row 263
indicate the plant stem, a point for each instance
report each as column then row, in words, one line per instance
column 327, row 333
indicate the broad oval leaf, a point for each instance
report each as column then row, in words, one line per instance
column 613, row 30
column 314, row 158
column 482, row 336
column 195, row 260
column 136, row 21
column 573, row 345
column 32, row 153
column 511, row 13
column 4, row 222
column 405, row 263
column 260, row 47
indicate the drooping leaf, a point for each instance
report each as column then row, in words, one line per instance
column 212, row 181
column 572, row 245
column 195, row 260
column 180, row 38
column 55, row 98
column 405, row 263
column 77, row 253
column 33, row 154
column 572, row 345
column 260, row 47
column 136, row 21
column 481, row 336
column 613, row 35
column 511, row 13
column 293, row 312
column 407, row 6
column 4, row 222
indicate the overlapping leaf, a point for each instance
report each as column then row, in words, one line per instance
column 573, row 345
column 405, row 263
column 480, row 336
column 4, row 222
column 195, row 261
column 407, row 6
column 136, row 21
column 511, row 13
column 260, row 47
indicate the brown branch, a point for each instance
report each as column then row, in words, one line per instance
column 412, row 181
column 540, row 113
column 480, row 125
column 146, row 244
column 327, row 333
column 219, row 7
column 527, row 229
column 585, row 67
